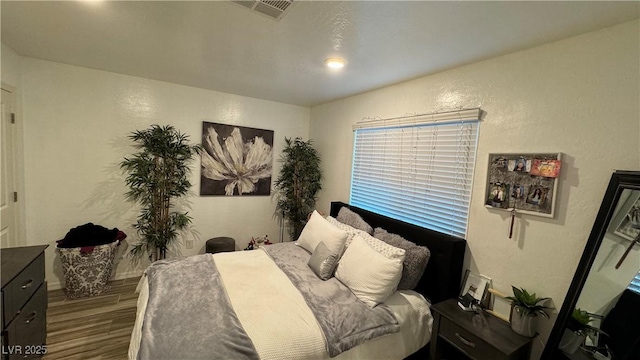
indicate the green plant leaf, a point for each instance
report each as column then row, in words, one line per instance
column 581, row 316
column 157, row 175
column 298, row 183
column 528, row 304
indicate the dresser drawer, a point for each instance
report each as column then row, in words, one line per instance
column 467, row 342
column 23, row 286
column 27, row 331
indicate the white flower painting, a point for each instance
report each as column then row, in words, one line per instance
column 236, row 160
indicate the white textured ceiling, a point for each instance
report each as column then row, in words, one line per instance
column 222, row 46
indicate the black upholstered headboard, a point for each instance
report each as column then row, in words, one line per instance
column 441, row 280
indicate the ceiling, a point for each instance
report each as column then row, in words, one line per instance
column 223, row 46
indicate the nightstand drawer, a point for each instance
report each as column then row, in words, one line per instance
column 467, row 342
column 480, row 336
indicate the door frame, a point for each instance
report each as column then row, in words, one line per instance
column 18, row 166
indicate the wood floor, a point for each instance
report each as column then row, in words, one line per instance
column 92, row 328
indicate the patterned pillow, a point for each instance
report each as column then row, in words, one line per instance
column 350, row 218
column 323, row 261
column 388, row 251
column 350, row 230
column 415, row 261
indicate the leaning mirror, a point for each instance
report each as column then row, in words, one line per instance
column 600, row 317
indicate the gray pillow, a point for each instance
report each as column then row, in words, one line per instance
column 348, row 217
column 323, row 262
column 415, row 260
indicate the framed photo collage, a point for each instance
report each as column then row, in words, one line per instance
column 527, row 183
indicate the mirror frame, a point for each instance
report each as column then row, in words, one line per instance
column 620, row 180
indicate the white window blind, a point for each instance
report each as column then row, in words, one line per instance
column 635, row 284
column 417, row 169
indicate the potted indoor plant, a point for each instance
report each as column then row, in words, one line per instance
column 526, row 307
column 158, row 175
column 299, row 181
column 577, row 330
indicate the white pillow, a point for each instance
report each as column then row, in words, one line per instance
column 371, row 276
column 318, row 229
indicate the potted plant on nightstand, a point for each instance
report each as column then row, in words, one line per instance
column 526, row 307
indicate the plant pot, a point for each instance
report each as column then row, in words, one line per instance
column 571, row 341
column 523, row 324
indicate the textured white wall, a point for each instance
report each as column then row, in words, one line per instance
column 76, row 123
column 579, row 96
column 10, row 66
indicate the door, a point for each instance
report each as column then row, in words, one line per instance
column 8, row 208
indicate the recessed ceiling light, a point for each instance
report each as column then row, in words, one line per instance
column 335, row 63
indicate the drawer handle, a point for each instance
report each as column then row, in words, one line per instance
column 27, row 284
column 465, row 341
column 33, row 317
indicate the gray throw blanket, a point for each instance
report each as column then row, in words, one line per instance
column 345, row 320
column 189, row 315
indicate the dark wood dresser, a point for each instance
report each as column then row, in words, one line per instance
column 23, row 303
column 458, row 334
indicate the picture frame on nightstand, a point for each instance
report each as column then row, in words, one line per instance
column 475, row 285
column 499, row 305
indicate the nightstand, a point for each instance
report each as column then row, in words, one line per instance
column 459, row 334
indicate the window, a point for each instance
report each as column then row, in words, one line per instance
column 635, row 284
column 417, row 169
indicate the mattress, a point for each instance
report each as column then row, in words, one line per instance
column 280, row 324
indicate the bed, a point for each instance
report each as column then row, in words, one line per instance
column 274, row 307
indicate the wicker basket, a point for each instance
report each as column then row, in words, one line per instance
column 87, row 274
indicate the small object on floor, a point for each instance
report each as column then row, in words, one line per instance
column 258, row 242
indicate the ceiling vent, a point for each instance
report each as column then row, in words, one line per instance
column 275, row 9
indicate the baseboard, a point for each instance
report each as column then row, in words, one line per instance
column 57, row 285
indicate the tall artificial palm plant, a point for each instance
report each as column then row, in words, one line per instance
column 299, row 181
column 157, row 176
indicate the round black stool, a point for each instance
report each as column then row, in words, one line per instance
column 220, row 244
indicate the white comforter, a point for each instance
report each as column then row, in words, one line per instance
column 281, row 325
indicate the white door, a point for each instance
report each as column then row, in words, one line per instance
column 8, row 226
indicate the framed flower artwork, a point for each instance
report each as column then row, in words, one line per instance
column 235, row 160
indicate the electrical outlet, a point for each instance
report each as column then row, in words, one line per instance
column 189, row 244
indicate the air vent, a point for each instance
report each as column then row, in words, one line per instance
column 275, row 9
